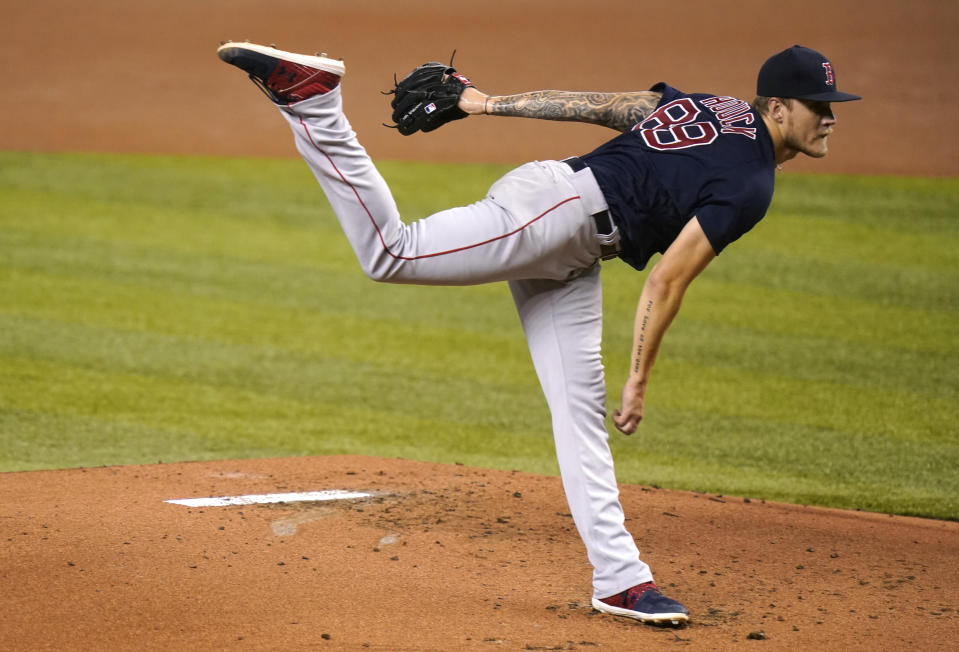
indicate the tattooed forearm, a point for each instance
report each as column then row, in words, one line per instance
column 641, row 339
column 620, row 111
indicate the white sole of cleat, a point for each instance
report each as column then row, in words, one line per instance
column 675, row 618
column 323, row 63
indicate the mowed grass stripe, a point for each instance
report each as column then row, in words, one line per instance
column 805, row 313
column 262, row 325
column 188, row 308
column 907, row 205
column 808, row 358
column 193, row 419
column 779, row 399
column 743, row 457
column 395, row 385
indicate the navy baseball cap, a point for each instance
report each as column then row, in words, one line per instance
column 801, row 73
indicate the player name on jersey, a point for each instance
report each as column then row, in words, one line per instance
column 730, row 110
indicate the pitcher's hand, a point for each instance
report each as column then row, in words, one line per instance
column 627, row 418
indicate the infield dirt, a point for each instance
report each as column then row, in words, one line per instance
column 448, row 557
column 144, row 77
column 442, row 557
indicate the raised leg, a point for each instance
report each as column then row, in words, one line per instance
column 531, row 223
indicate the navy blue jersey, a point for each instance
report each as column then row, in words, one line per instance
column 696, row 155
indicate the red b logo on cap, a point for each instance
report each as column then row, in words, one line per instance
column 830, row 79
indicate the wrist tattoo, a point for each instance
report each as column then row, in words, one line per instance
column 620, row 111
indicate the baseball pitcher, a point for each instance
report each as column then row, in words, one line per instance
column 686, row 176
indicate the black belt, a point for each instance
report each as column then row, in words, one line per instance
column 603, row 219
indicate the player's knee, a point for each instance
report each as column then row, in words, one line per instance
column 377, row 275
column 380, row 272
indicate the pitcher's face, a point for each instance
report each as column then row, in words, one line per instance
column 807, row 125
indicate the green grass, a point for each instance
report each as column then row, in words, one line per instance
column 172, row 308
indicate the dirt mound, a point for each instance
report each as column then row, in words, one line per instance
column 441, row 558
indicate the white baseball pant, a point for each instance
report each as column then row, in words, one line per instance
column 535, row 231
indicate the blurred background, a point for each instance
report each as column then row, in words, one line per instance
column 122, row 76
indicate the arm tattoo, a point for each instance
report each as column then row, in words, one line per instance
column 637, row 361
column 619, row 111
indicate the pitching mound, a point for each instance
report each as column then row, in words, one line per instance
column 441, row 557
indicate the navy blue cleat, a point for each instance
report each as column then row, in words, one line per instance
column 286, row 77
column 645, row 603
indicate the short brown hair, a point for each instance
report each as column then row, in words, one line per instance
column 761, row 103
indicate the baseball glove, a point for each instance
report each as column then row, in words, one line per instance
column 427, row 98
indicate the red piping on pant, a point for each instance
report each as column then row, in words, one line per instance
column 379, row 234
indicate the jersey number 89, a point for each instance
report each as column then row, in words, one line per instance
column 673, row 126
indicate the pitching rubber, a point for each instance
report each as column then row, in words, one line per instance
column 338, row 68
